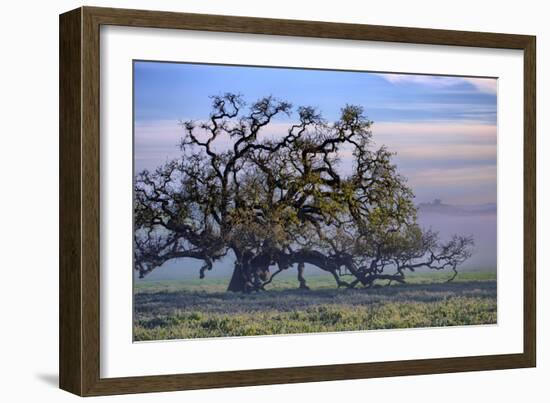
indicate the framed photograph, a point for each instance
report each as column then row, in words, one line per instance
column 249, row 201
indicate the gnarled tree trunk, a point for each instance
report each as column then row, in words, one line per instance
column 238, row 279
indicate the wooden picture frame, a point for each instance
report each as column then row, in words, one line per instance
column 79, row 201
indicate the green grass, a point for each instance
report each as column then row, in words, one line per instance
column 202, row 308
column 288, row 282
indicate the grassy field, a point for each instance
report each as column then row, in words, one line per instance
column 202, row 308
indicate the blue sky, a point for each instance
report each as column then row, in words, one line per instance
column 442, row 128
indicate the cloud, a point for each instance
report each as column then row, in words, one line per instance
column 433, row 81
column 485, row 85
column 463, row 152
column 454, row 177
column 157, row 141
column 488, row 85
column 452, row 160
column 428, row 141
column 396, row 133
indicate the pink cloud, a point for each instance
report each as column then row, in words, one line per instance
column 453, row 177
column 487, row 85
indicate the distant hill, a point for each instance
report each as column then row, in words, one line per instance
column 438, row 207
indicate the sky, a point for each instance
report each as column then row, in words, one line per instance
column 442, row 128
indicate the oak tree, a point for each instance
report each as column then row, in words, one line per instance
column 285, row 200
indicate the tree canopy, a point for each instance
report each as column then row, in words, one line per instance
column 279, row 201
